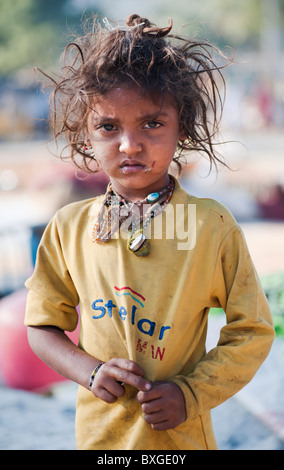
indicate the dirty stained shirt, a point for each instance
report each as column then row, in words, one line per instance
column 154, row 311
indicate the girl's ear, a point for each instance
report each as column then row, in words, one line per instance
column 182, row 134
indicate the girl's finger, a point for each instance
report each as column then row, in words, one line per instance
column 126, row 372
column 156, row 418
column 147, row 396
column 106, row 396
column 152, row 406
column 127, row 365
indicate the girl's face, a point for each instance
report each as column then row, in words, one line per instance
column 134, row 138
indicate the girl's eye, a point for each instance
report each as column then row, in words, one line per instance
column 152, row 125
column 107, row 127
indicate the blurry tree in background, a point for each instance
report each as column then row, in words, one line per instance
column 32, row 32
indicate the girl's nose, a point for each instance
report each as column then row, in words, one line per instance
column 129, row 145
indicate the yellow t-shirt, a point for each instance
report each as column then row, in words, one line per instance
column 153, row 310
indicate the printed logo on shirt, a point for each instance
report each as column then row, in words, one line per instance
column 132, row 294
column 131, row 314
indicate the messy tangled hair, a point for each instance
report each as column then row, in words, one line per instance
column 150, row 58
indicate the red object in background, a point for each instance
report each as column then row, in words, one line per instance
column 273, row 207
column 19, row 366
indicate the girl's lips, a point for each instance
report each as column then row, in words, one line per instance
column 132, row 167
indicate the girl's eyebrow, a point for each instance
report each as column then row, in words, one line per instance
column 144, row 117
column 103, row 119
column 160, row 113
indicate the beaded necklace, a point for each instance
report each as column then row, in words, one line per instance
column 115, row 210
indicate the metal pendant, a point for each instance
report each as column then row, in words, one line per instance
column 138, row 244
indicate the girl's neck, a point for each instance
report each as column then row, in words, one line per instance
column 138, row 194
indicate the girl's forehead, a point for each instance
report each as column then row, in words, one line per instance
column 123, row 96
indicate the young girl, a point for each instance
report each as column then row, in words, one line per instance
column 146, row 261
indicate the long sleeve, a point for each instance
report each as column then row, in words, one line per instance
column 246, row 339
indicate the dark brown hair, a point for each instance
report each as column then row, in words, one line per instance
column 154, row 60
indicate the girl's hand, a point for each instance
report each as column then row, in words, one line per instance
column 163, row 405
column 109, row 380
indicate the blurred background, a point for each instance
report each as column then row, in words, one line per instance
column 34, row 184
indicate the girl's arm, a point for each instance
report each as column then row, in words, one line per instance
column 244, row 341
column 54, row 348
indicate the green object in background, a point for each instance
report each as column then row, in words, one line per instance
column 278, row 321
column 273, row 286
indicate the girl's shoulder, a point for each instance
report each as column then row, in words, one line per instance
column 212, row 207
column 214, row 218
column 207, row 208
column 76, row 211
